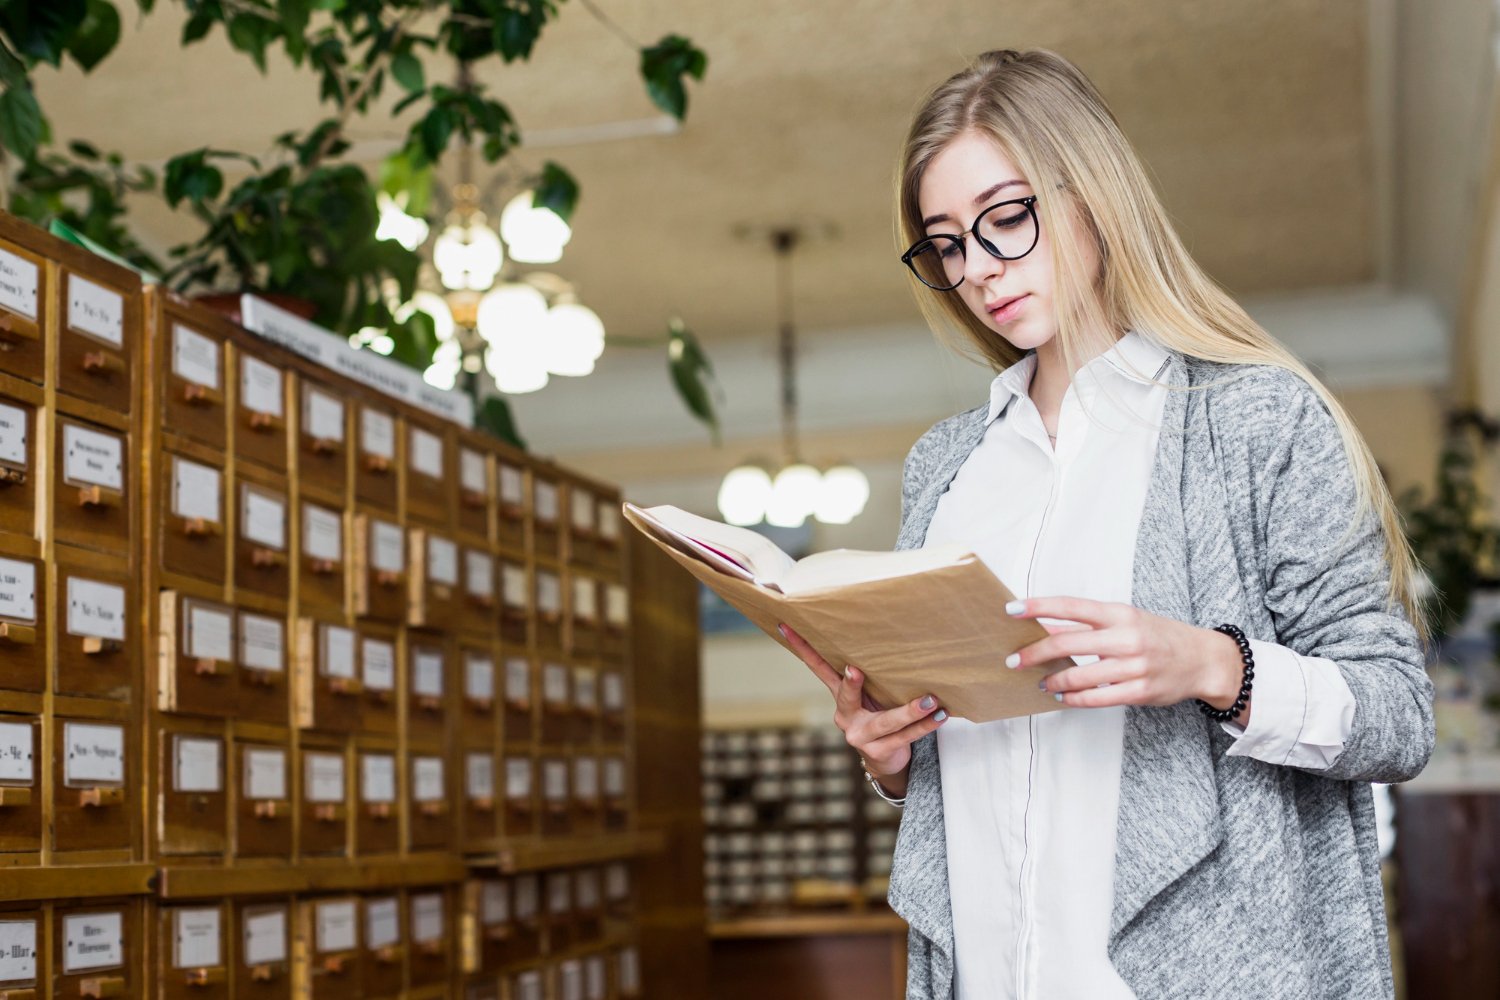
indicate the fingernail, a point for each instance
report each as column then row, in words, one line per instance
column 848, row 673
column 782, row 630
column 940, row 715
column 1058, row 697
column 1042, row 684
column 1015, row 607
column 1013, row 660
column 927, row 702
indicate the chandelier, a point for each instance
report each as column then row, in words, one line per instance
column 788, row 495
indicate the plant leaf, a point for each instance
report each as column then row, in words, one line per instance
column 191, row 176
column 557, row 190
column 663, row 67
column 20, row 122
column 407, row 69
column 693, row 375
column 12, row 69
column 96, row 35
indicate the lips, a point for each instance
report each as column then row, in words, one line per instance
column 999, row 304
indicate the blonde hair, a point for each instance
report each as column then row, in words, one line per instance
column 1056, row 128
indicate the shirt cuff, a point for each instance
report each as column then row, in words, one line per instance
column 1302, row 711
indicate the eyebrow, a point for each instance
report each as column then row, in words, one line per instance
column 979, row 199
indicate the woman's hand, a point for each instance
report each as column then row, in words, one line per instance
column 1145, row 659
column 883, row 737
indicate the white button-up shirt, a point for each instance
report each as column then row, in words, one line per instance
column 1030, row 804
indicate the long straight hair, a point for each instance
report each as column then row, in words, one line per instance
column 1053, row 124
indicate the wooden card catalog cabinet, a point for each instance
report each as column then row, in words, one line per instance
column 263, row 806
column 192, row 383
column 582, row 529
column 429, row 937
column 194, row 812
column 617, row 894
column 427, row 470
column 479, row 798
column 474, row 492
column 377, row 660
column 98, row 948
column 95, row 644
column 262, row 693
column 380, row 585
column 434, row 588
column 322, row 577
column 193, row 953
column 323, row 439
column 334, row 966
column 586, row 799
column 557, row 801
column 21, row 956
column 616, row 793
column 260, row 548
column 91, row 496
column 192, row 529
column 24, row 301
column 17, row 466
column 557, row 891
column 260, row 420
column 585, row 615
column 557, row 702
column 628, row 973
column 94, row 780
column 489, row 901
column 546, row 514
column 428, row 694
column 614, row 643
column 515, row 601
column 378, row 830
column 197, row 656
column 262, row 968
column 479, row 589
column 98, row 339
column 612, row 705
column 22, row 623
column 430, row 824
column 510, row 502
column 585, row 704
column 375, row 467
column 520, row 706
column 520, row 815
column 20, row 789
column 385, row 948
column 325, row 805
column 328, row 684
column 479, row 690
column 548, row 601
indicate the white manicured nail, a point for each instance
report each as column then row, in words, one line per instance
column 1013, row 660
column 1015, row 607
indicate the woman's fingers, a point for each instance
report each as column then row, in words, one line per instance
column 1091, row 675
column 1084, row 642
column 886, row 746
column 878, row 725
column 1099, row 614
column 820, row 667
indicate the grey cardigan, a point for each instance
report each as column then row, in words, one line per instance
column 1233, row 877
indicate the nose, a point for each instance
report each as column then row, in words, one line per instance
column 979, row 264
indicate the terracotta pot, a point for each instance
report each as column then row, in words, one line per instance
column 228, row 303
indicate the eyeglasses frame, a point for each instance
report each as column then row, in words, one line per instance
column 1029, row 201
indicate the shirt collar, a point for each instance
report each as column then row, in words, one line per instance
column 1132, row 357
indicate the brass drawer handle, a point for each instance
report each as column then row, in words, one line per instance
column 100, row 798
column 102, row 986
column 98, row 496
column 199, row 527
column 263, row 423
column 377, row 463
column 324, row 446
column 328, row 812
column 12, row 477
column 271, row 809
column 194, row 394
column 20, row 635
column 205, row 977
column 97, row 646
column 14, row 795
column 267, row 558
column 207, row 666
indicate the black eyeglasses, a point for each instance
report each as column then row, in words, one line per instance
column 1007, row 230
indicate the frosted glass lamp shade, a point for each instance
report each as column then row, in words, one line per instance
column 512, row 309
column 468, row 256
column 794, row 494
column 842, row 495
column 744, row 494
column 534, row 235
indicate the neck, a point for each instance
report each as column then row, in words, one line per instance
column 1050, row 380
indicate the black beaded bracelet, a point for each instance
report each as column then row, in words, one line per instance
column 1233, row 711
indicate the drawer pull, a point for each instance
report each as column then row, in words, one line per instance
column 98, row 496
column 263, row 423
column 441, row 591
column 484, row 602
column 101, row 798
column 473, row 499
column 14, row 795
column 323, row 567
column 387, row 578
column 26, row 994
column 94, row 645
column 345, row 685
column 20, row 635
column 12, row 477
column 431, row 949
column 519, row 704
column 262, row 973
column 434, row 808
column 205, row 977
column 200, row 527
column 207, row 666
column 267, row 558
column 201, row 395
column 103, row 363
column 378, row 810
column 328, row 812
column 481, row 704
column 324, row 446
column 336, row 964
column 377, row 463
column 499, row 932
column 102, row 986
column 262, row 678
column 482, row 804
column 271, row 809
column 430, row 703
column 390, row 954
column 519, row 805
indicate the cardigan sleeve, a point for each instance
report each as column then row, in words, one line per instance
column 1327, row 584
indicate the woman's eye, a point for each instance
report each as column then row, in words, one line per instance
column 1011, row 222
column 948, row 250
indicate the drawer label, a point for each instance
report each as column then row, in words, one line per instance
column 379, row 658
column 334, row 926
column 427, row 779
column 479, row 776
column 195, row 490
column 545, row 495
column 17, row 951
column 586, row 778
column 427, row 917
column 513, row 585
column 581, row 506
column 426, row 453
column 338, row 651
column 512, row 490
column 209, row 633
column 265, row 773
column 377, row 777
column 93, row 941
column 197, row 934
column 95, row 609
column 427, row 673
column 517, row 679
column 617, row 882
column 613, row 687
column 526, row 897
column 518, row 777
column 94, row 754
column 471, row 470
column 260, row 386
column 616, row 605
column 548, row 592
column 15, row 754
column 479, row 573
column 494, row 903
column 387, row 547
column 322, row 533
column 264, row 519
column 585, row 599
column 555, row 780
column 265, row 937
column 614, row 777
column 324, row 415
column 18, row 282
column 13, row 425
column 92, row 458
column 442, row 560
column 382, row 923
column 559, row 893
column 262, row 643
column 585, row 688
column 96, row 310
column 324, row 776
column 479, row 677
column 197, row 765
column 195, row 357
column 17, row 590
column 609, row 521
column 555, row 684
column 377, row 434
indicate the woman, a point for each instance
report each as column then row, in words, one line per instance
column 1206, row 535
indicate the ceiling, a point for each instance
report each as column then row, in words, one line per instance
column 1252, row 116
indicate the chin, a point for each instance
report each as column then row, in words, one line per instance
column 1024, row 336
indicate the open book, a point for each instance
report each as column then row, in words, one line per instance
column 917, row 622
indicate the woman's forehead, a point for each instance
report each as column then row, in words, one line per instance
column 967, row 170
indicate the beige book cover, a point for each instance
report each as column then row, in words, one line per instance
column 940, row 629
